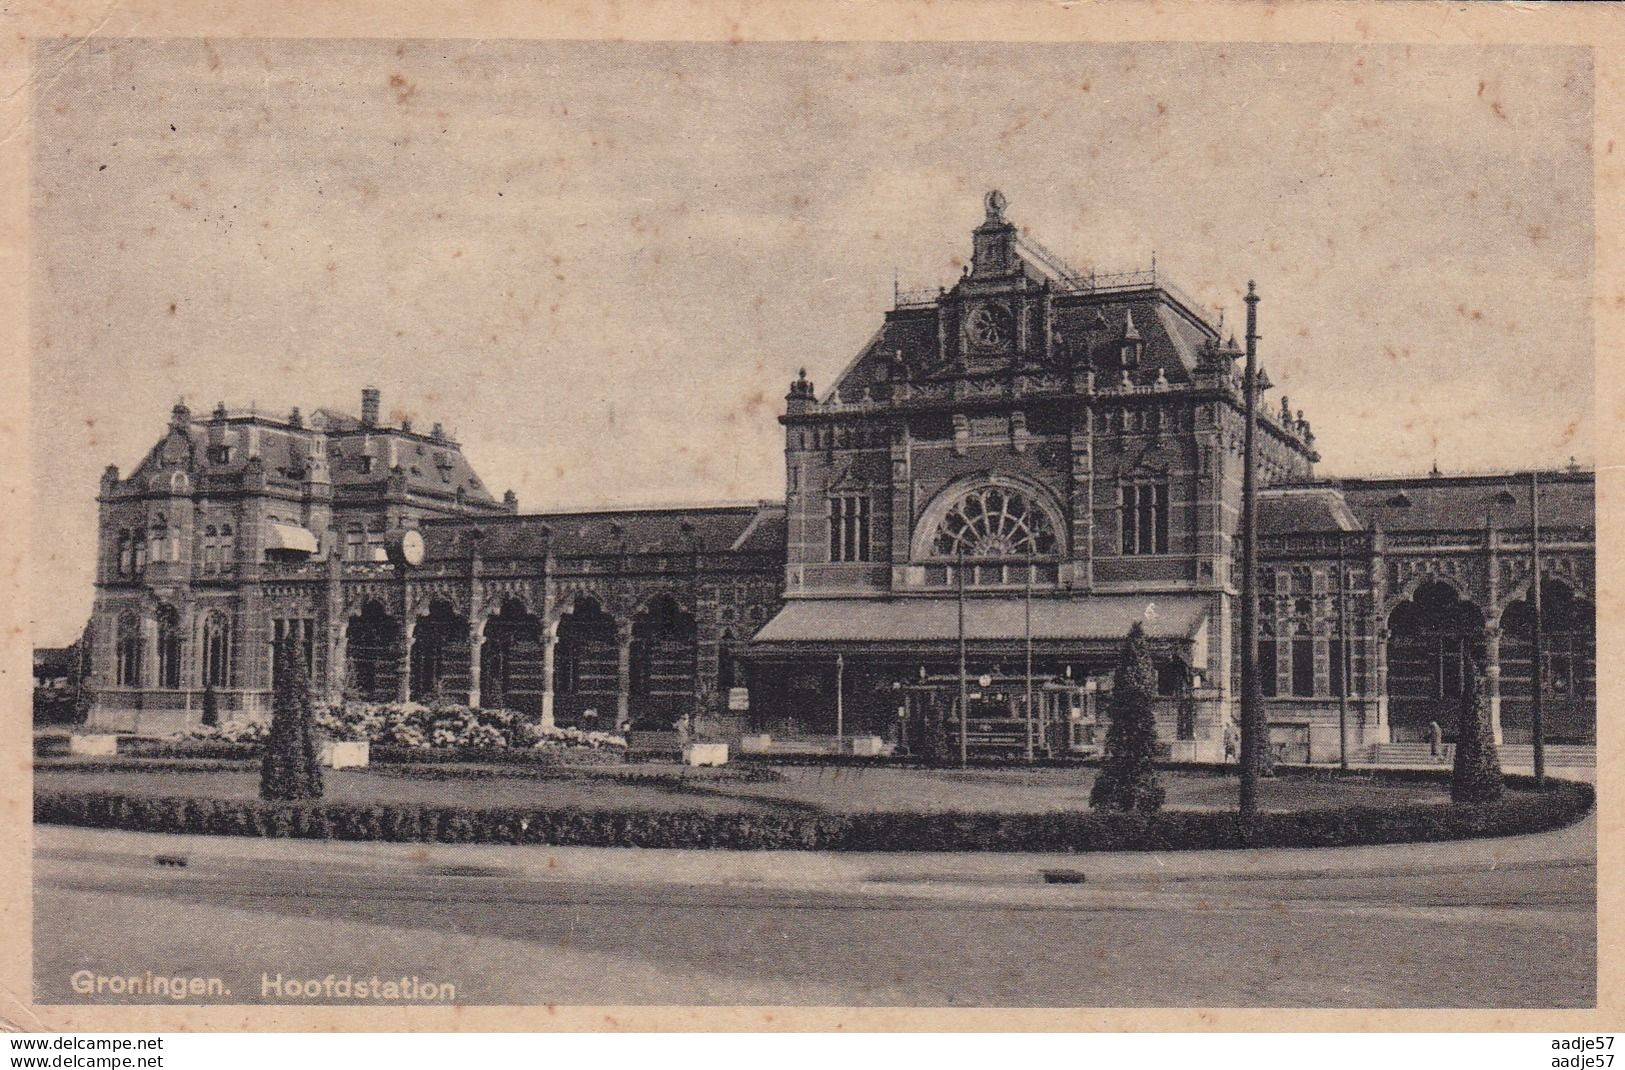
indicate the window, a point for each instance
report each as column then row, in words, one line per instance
column 125, row 556
column 169, row 648
column 129, row 652
column 995, row 521
column 849, row 528
column 1144, row 518
column 219, row 454
column 216, row 651
column 1334, row 650
column 355, row 543
column 1266, row 666
column 138, row 552
column 1303, row 665
column 298, row 633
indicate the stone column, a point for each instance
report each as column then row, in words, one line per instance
column 1492, row 676
column 623, row 675
column 1379, row 681
column 476, row 641
column 549, row 642
column 403, row 690
column 149, row 652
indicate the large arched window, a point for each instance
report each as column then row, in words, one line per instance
column 169, row 647
column 128, row 668
column 217, row 651
column 995, row 521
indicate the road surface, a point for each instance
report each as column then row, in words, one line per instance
column 1494, row 923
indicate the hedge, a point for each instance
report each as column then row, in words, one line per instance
column 1562, row 803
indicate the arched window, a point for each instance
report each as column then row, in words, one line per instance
column 129, row 652
column 217, row 651
column 138, row 552
column 160, row 531
column 126, row 558
column 228, row 546
column 994, row 521
column 169, row 647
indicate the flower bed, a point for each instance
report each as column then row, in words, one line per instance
column 1524, row 810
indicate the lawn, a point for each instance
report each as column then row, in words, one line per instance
column 799, row 788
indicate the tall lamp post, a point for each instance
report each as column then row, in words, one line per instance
column 1251, row 694
column 964, row 686
column 1028, row 637
column 1537, row 637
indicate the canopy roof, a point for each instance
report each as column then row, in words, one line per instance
column 936, row 620
column 289, row 537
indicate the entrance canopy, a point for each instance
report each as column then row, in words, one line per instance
column 913, row 621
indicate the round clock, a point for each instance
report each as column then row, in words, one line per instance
column 407, row 549
column 989, row 326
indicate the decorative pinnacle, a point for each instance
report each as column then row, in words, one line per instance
column 1252, row 293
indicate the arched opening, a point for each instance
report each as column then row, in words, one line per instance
column 216, row 651
column 169, row 647
column 373, row 644
column 586, row 667
column 440, row 655
column 128, row 672
column 1434, row 640
column 661, row 684
column 511, row 660
column 1568, row 667
column 1004, row 532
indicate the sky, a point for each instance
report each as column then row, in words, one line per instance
column 600, row 265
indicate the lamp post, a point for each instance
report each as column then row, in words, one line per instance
column 1028, row 635
column 1343, row 660
column 1537, row 637
column 840, row 707
column 1250, row 692
column 964, row 687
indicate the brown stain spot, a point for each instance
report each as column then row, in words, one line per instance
column 455, row 253
column 211, row 56
column 1469, row 313
column 1481, row 86
column 404, row 90
column 331, row 266
column 1162, row 109
column 172, row 308
column 1500, row 112
column 1085, row 86
column 1536, row 232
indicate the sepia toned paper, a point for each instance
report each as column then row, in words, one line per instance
column 600, row 243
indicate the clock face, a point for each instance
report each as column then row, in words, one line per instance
column 989, row 326
column 412, row 548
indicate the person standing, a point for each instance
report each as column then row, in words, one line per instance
column 1435, row 739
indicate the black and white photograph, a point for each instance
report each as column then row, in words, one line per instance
column 812, row 524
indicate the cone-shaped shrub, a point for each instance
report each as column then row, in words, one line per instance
column 290, row 769
column 1477, row 774
column 1128, row 779
column 211, row 706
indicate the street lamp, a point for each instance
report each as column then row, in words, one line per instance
column 1251, row 693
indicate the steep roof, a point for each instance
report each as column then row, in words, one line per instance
column 757, row 528
column 1428, row 503
column 1431, row 503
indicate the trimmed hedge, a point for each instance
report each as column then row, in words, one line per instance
column 1521, row 812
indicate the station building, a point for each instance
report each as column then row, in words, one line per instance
column 1012, row 472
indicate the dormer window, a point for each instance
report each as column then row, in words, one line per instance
column 1505, row 497
column 366, row 464
column 1400, row 500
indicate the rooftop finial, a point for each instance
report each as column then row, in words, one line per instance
column 995, row 203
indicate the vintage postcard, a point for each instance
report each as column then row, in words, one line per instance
column 804, row 517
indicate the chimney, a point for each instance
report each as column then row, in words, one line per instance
column 369, row 406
